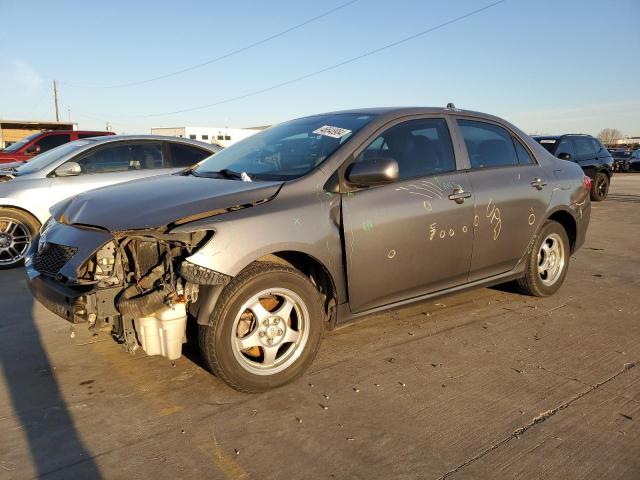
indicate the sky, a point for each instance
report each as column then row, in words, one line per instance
column 547, row 66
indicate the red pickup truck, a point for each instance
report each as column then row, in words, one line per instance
column 25, row 149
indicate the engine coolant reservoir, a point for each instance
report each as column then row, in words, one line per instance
column 164, row 332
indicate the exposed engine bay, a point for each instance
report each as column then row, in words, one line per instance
column 139, row 288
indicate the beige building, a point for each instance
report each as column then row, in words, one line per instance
column 13, row 130
column 223, row 136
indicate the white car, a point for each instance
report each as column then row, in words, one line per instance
column 28, row 190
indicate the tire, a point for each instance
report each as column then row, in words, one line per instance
column 276, row 352
column 17, row 230
column 600, row 187
column 552, row 237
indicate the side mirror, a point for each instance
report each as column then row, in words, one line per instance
column 33, row 149
column 564, row 156
column 378, row 171
column 68, row 169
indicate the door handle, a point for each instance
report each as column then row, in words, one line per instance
column 538, row 183
column 459, row 195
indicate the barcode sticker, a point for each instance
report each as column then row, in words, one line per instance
column 333, row 132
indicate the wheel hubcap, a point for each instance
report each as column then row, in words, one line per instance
column 15, row 239
column 602, row 187
column 270, row 331
column 551, row 259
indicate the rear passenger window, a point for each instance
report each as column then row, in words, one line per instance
column 186, row 155
column 524, row 157
column 421, row 148
column 488, row 145
column 120, row 158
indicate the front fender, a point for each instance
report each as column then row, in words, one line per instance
column 289, row 223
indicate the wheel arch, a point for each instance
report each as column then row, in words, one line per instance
column 310, row 266
column 21, row 210
column 313, row 268
column 569, row 224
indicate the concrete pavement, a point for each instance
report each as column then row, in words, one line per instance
column 483, row 384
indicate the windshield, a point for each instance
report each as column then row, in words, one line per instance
column 621, row 154
column 286, row 151
column 14, row 147
column 45, row 159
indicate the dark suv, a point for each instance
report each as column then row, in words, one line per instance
column 586, row 151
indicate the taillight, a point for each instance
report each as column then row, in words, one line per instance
column 587, row 183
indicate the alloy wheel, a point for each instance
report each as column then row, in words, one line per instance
column 270, row 331
column 601, row 187
column 551, row 259
column 15, row 239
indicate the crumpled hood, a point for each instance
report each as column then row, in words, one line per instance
column 159, row 201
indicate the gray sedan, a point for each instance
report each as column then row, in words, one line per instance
column 27, row 191
column 307, row 226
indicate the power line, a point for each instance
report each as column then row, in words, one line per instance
column 216, row 59
column 317, row 72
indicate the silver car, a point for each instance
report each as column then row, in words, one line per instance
column 28, row 190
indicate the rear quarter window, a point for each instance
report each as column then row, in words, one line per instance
column 186, row 155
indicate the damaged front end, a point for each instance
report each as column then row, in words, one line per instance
column 137, row 285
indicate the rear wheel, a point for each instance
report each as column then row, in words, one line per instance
column 547, row 264
column 600, row 187
column 265, row 330
column 17, row 230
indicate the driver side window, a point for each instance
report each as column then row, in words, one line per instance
column 421, row 148
column 566, row 146
column 121, row 158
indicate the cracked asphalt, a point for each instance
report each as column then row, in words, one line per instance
column 483, row 384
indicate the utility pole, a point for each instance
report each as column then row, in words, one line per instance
column 55, row 100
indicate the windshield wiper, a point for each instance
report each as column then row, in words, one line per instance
column 226, row 173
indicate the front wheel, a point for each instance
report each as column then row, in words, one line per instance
column 600, row 187
column 547, row 263
column 17, row 230
column 265, row 330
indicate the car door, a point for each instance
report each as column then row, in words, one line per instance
column 510, row 194
column 408, row 238
column 110, row 164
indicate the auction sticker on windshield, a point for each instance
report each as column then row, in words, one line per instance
column 333, row 132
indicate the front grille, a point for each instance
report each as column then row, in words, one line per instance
column 52, row 258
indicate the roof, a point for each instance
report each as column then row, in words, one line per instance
column 557, row 137
column 402, row 111
column 122, row 138
column 36, row 122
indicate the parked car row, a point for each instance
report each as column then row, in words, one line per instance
column 29, row 189
column 626, row 160
column 301, row 228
